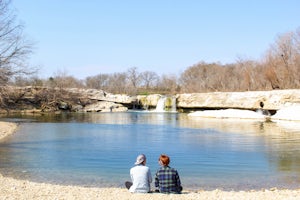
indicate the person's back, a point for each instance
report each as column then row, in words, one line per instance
column 166, row 178
column 140, row 176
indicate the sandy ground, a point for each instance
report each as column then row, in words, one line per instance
column 22, row 189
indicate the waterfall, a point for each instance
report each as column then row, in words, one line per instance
column 166, row 104
column 160, row 107
column 173, row 108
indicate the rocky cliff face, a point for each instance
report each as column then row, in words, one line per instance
column 269, row 100
column 39, row 99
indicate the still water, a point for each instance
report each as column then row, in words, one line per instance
column 98, row 149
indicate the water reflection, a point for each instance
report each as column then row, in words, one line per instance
column 103, row 118
column 101, row 147
column 281, row 138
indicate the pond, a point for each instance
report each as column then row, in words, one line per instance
column 98, row 149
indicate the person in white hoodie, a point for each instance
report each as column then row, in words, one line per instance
column 140, row 176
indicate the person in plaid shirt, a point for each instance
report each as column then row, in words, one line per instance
column 166, row 178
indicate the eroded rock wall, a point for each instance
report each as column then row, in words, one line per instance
column 92, row 100
column 269, row 100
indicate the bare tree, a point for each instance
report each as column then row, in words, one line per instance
column 22, row 81
column 134, row 79
column 149, row 79
column 118, row 83
column 14, row 48
column 190, row 79
column 100, row 81
column 62, row 80
column 284, row 51
column 202, row 77
column 282, row 61
column 168, row 84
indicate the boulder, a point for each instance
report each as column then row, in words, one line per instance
column 100, row 95
column 104, row 106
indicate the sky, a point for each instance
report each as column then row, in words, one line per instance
column 89, row 37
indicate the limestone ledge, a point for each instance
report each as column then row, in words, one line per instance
column 269, row 100
column 93, row 100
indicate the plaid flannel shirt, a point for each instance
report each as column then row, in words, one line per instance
column 167, row 180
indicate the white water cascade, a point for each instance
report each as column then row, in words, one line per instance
column 161, row 104
column 160, row 107
column 173, row 108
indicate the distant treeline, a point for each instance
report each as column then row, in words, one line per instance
column 279, row 68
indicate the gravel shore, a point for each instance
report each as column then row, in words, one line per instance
column 22, row 189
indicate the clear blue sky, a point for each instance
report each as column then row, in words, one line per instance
column 88, row 37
